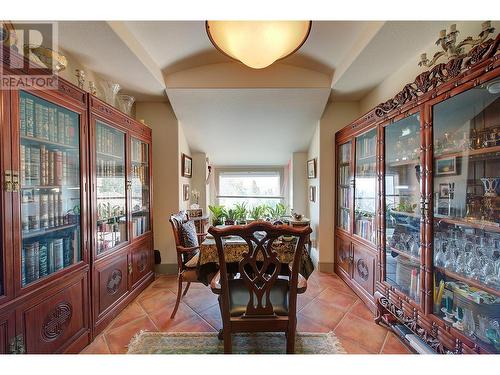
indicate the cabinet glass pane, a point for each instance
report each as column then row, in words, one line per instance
column 466, row 131
column 344, row 188
column 402, row 197
column 110, row 188
column 49, row 178
column 365, row 185
column 140, row 187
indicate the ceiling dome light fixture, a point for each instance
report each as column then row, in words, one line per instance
column 258, row 44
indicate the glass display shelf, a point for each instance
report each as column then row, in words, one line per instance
column 365, row 186
column 344, row 187
column 49, row 187
column 402, row 217
column 110, row 188
column 466, row 248
column 140, row 187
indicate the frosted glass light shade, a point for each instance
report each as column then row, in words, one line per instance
column 258, row 44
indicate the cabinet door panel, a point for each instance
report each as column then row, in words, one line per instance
column 112, row 282
column 344, row 256
column 364, row 268
column 56, row 320
column 6, row 333
column 141, row 261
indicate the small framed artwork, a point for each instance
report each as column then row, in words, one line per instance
column 185, row 191
column 444, row 191
column 312, row 193
column 446, row 166
column 311, row 168
column 187, row 166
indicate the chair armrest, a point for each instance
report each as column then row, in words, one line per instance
column 301, row 281
column 182, row 249
column 215, row 284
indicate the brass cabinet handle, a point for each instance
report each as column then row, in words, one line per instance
column 8, row 181
column 15, row 181
column 130, row 268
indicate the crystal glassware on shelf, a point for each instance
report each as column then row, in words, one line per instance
column 110, row 90
column 469, row 323
column 126, row 102
column 451, row 256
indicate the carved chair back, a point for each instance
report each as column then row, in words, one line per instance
column 177, row 220
column 260, row 267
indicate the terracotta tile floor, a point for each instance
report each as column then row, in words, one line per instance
column 327, row 305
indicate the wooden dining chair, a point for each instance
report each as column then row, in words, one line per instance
column 259, row 299
column 186, row 272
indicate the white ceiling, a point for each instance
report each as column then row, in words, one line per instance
column 233, row 113
column 249, row 127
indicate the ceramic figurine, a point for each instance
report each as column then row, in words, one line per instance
column 80, row 76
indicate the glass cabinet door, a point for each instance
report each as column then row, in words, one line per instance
column 111, row 186
column 466, row 179
column 365, row 186
column 402, row 197
column 140, row 187
column 50, row 193
column 344, row 187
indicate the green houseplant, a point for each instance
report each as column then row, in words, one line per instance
column 258, row 212
column 277, row 212
column 241, row 212
column 217, row 214
column 230, row 216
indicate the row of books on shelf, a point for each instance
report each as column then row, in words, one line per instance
column 110, row 234
column 43, row 167
column 139, row 152
column 344, row 198
column 345, row 153
column 140, row 172
column 140, row 224
column 42, row 258
column 344, row 175
column 344, row 219
column 366, row 147
column 42, row 211
column 109, row 168
column 366, row 168
column 109, row 141
column 47, row 121
column 365, row 228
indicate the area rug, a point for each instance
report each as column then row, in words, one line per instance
column 243, row 343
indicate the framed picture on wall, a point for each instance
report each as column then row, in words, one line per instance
column 185, row 191
column 311, row 168
column 312, row 193
column 447, row 166
column 187, row 166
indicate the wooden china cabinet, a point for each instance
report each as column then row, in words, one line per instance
column 418, row 206
column 59, row 254
column 121, row 219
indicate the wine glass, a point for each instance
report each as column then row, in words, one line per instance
column 469, row 323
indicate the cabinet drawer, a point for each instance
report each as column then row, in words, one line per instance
column 363, row 271
column 142, row 261
column 57, row 319
column 344, row 256
column 112, row 282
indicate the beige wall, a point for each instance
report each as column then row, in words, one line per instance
column 166, row 192
column 298, row 178
column 321, row 212
column 313, row 207
column 199, row 178
column 183, row 149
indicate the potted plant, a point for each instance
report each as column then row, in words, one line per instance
column 217, row 214
column 257, row 212
column 241, row 213
column 230, row 216
column 277, row 212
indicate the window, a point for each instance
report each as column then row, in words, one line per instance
column 252, row 187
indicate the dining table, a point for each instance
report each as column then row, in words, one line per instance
column 234, row 247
